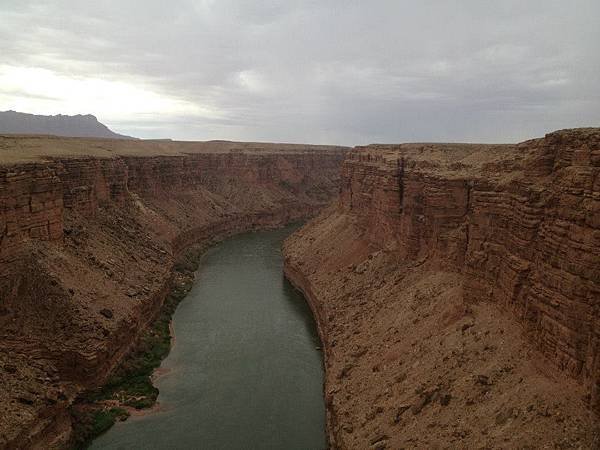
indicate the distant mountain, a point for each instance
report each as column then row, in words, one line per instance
column 75, row 126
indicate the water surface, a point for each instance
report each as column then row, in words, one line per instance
column 245, row 372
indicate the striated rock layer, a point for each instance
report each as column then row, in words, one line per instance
column 457, row 290
column 89, row 232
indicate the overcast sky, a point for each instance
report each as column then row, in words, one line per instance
column 338, row 71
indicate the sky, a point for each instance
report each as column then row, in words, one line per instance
column 346, row 72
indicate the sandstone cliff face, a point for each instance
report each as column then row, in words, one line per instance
column 81, row 235
column 31, row 205
column 515, row 227
column 525, row 235
column 536, row 250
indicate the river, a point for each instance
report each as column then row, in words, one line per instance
column 245, row 371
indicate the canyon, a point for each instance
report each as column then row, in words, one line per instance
column 456, row 287
column 457, row 293
column 91, row 230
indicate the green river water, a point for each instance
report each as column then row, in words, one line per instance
column 244, row 371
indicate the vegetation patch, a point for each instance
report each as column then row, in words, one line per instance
column 131, row 384
column 90, row 422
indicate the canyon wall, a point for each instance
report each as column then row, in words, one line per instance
column 525, row 234
column 457, row 232
column 89, row 233
column 455, row 286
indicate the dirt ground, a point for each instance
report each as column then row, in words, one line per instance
column 411, row 365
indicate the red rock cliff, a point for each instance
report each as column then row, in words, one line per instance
column 513, row 226
column 525, row 231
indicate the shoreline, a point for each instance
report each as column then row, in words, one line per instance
column 302, row 285
column 160, row 371
column 183, row 276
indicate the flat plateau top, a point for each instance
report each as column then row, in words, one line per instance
column 32, row 148
column 503, row 162
column 452, row 160
column 454, row 156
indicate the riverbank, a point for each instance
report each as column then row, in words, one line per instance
column 300, row 282
column 246, row 349
column 130, row 389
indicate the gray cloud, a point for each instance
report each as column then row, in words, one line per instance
column 334, row 71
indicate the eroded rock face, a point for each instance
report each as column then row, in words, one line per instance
column 526, row 236
column 31, row 204
column 87, row 246
column 535, row 249
column 508, row 230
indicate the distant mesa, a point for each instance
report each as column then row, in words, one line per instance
column 12, row 122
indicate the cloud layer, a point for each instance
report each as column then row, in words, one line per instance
column 337, row 71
